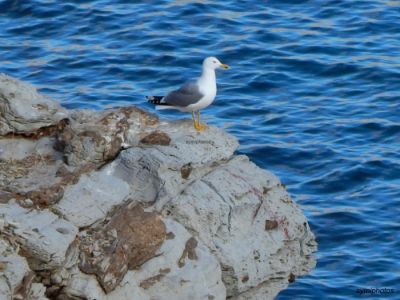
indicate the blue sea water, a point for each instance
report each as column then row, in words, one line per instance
column 313, row 94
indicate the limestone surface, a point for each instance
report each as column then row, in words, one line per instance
column 16, row 277
column 23, row 110
column 91, row 198
column 185, row 269
column 231, row 220
column 117, row 204
column 41, row 234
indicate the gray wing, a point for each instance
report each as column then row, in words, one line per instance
column 187, row 94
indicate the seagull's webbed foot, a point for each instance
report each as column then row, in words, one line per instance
column 199, row 127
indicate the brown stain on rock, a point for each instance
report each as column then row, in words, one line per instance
column 186, row 170
column 44, row 196
column 139, row 235
column 20, row 168
column 50, row 130
column 14, row 169
column 170, row 235
column 146, row 118
column 245, row 278
column 100, row 138
column 189, row 252
column 271, row 224
column 156, row 138
column 149, row 282
column 292, row 278
column 183, row 281
column 6, row 196
column 266, row 190
column 21, row 292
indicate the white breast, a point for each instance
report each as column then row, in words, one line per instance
column 205, row 101
column 208, row 87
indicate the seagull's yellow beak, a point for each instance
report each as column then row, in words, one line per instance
column 224, row 66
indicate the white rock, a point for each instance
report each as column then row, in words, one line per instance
column 5, row 293
column 130, row 287
column 13, row 269
column 83, row 286
column 92, row 197
column 23, row 109
column 155, row 171
column 228, row 208
column 16, row 268
column 267, row 290
column 17, row 148
column 37, row 292
column 44, row 237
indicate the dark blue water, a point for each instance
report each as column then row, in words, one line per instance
column 313, row 95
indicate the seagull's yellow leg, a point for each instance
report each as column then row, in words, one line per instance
column 196, row 124
column 199, row 125
column 194, row 121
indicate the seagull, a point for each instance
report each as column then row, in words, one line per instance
column 193, row 95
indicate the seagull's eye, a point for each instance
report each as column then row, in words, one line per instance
column 215, row 61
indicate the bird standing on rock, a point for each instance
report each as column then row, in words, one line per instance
column 193, row 95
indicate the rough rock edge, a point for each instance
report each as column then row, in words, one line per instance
column 34, row 116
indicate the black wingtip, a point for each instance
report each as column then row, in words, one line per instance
column 154, row 99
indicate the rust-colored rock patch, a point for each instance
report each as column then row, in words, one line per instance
column 271, row 224
column 46, row 196
column 97, row 139
column 186, row 170
column 40, row 196
column 156, row 138
column 149, row 282
column 23, row 289
column 130, row 238
column 292, row 278
column 188, row 252
column 50, row 130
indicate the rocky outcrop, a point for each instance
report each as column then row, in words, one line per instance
column 23, row 111
column 117, row 204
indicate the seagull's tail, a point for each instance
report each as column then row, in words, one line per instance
column 155, row 100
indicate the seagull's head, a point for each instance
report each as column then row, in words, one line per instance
column 213, row 63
